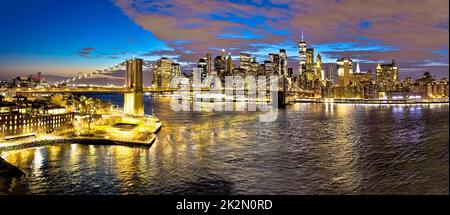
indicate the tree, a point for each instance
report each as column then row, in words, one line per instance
column 91, row 109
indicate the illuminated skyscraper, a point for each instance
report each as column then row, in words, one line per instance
column 344, row 69
column 165, row 69
column 199, row 75
column 283, row 63
column 387, row 72
column 359, row 78
column 220, row 66
column 269, row 68
column 208, row 63
column 329, row 75
column 176, row 70
column 307, row 68
column 223, row 55
column 319, row 71
column 245, row 62
column 229, row 64
column 203, row 65
column 261, row 70
column 255, row 67
column 310, row 60
column 302, row 54
column 275, row 59
column 290, row 72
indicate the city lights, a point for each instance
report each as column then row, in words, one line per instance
column 254, row 97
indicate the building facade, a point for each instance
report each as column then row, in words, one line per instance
column 162, row 73
column 387, row 73
column 283, row 63
column 245, row 62
column 344, row 70
column 20, row 124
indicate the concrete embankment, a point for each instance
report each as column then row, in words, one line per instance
column 367, row 101
column 9, row 171
column 83, row 141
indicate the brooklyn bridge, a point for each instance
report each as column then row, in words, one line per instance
column 133, row 89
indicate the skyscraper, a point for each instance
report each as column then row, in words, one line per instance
column 255, row 67
column 310, row 59
column 387, row 72
column 223, row 55
column 164, row 71
column 208, row 63
column 245, row 62
column 229, row 64
column 290, row 72
column 219, row 67
column 275, row 59
column 329, row 75
column 344, row 69
column 176, row 70
column 302, row 54
column 307, row 68
column 319, row 74
column 203, row 65
column 269, row 68
column 283, row 63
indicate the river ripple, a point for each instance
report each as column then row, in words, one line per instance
column 310, row 149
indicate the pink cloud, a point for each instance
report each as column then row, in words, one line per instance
column 413, row 27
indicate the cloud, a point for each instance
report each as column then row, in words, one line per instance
column 413, row 32
column 202, row 27
column 84, row 52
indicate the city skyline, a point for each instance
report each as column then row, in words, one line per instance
column 95, row 34
column 224, row 97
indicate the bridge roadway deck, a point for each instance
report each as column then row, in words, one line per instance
column 107, row 90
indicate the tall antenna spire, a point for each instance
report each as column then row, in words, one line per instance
column 302, row 35
column 357, row 67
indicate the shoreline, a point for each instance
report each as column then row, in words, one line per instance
column 81, row 141
column 64, row 138
column 371, row 102
column 8, row 170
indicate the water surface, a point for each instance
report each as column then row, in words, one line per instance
column 310, row 149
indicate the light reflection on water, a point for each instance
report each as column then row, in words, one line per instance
column 310, row 149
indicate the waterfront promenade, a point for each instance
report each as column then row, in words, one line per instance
column 57, row 140
column 369, row 101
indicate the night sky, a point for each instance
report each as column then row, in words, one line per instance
column 68, row 37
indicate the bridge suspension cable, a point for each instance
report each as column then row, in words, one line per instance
column 147, row 65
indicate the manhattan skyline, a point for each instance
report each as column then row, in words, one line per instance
column 67, row 38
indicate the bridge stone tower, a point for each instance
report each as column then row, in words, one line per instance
column 134, row 98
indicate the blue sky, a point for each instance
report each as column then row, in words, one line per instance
column 71, row 37
column 54, row 32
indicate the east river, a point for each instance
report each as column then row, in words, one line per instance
column 309, row 149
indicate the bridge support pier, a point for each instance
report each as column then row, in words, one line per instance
column 134, row 101
column 281, row 99
column 282, row 94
